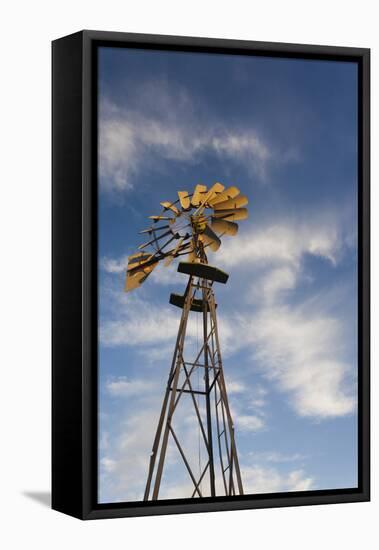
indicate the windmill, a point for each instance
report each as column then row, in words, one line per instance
column 190, row 226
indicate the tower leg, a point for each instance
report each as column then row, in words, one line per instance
column 207, row 390
column 232, row 454
column 174, row 373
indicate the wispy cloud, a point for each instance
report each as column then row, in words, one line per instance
column 114, row 265
column 165, row 124
column 258, row 479
column 248, row 422
column 123, row 386
column 123, row 466
column 276, row 457
column 301, row 351
column 245, row 397
column 300, row 346
column 235, row 386
column 257, row 398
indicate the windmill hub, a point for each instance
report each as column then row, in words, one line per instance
column 199, row 223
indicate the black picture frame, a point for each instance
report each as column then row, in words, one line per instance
column 74, row 273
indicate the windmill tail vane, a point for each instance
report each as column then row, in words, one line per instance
column 191, row 226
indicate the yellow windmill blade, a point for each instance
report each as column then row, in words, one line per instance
column 224, row 227
column 198, row 194
column 229, row 193
column 231, row 215
column 138, row 259
column 184, row 199
column 141, row 262
column 133, row 281
column 235, row 202
column 210, row 239
column 138, row 255
column 216, row 189
column 170, row 206
column 136, row 279
column 137, row 275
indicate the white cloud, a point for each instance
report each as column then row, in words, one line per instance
column 284, row 244
column 276, row 457
column 257, row 479
column 235, row 386
column 118, row 154
column 124, row 468
column 108, row 464
column 242, row 397
column 104, row 440
column 299, row 350
column 248, row 423
column 258, row 399
column 122, row 386
column 114, row 265
column 166, row 124
column 141, row 324
column 166, row 275
column 277, row 281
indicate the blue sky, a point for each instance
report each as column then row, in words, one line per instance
column 284, row 132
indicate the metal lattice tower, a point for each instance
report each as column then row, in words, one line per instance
column 219, row 473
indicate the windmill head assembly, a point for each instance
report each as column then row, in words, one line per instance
column 187, row 228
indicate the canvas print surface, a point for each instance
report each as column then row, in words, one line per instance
column 227, row 353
